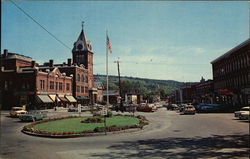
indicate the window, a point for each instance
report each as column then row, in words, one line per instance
column 82, row 89
column 67, row 86
column 56, row 85
column 78, row 77
column 60, row 86
column 51, row 85
column 82, row 78
column 42, row 84
column 77, row 88
column 86, row 79
column 86, row 90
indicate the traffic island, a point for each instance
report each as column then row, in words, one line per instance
column 66, row 127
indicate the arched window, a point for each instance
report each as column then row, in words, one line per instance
column 78, row 77
column 82, row 78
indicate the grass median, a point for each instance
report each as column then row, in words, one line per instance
column 74, row 124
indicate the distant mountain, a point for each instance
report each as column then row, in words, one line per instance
column 140, row 85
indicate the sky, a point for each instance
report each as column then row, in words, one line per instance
column 166, row 40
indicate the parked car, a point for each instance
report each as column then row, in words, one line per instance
column 159, row 105
column 181, row 107
column 146, row 109
column 171, row 106
column 33, row 116
column 73, row 109
column 242, row 110
column 188, row 109
column 16, row 111
column 244, row 116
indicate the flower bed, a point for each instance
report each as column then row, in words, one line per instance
column 35, row 128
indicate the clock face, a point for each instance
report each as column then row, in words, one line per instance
column 79, row 47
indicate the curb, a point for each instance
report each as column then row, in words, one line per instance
column 82, row 134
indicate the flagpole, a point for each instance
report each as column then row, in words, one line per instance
column 107, row 78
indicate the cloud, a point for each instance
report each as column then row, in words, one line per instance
column 161, row 62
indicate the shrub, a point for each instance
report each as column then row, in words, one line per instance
column 94, row 119
column 88, row 131
column 109, row 113
column 99, row 129
column 112, row 128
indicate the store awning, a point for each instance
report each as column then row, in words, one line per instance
column 43, row 98
column 54, row 98
column 71, row 99
column 62, row 98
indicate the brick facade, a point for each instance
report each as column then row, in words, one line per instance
column 231, row 75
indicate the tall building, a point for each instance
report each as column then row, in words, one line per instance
column 231, row 76
column 83, row 54
column 22, row 81
column 81, row 69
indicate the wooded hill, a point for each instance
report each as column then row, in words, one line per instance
column 140, row 85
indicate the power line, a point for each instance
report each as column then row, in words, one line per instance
column 40, row 25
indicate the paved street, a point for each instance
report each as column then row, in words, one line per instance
column 169, row 135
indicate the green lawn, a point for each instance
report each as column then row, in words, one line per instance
column 74, row 124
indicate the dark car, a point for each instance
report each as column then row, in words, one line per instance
column 181, row 107
column 209, row 108
column 73, row 109
column 33, row 116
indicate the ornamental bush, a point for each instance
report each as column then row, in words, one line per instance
column 95, row 119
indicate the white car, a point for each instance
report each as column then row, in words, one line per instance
column 243, row 110
column 16, row 111
column 244, row 116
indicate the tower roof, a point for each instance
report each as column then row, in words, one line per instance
column 82, row 44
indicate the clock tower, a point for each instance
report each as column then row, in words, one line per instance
column 82, row 54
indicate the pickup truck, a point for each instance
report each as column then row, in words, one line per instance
column 33, row 116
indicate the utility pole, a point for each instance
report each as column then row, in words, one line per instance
column 120, row 90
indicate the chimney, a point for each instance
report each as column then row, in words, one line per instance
column 51, row 63
column 33, row 64
column 5, row 52
column 69, row 62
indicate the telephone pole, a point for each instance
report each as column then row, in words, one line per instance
column 120, row 90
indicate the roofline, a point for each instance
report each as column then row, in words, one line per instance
column 246, row 42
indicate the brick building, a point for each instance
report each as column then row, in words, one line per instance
column 100, row 88
column 50, row 83
column 114, row 96
column 203, row 92
column 184, row 94
column 134, row 98
column 29, row 85
column 231, row 75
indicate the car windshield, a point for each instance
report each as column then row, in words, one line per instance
column 245, row 109
column 15, row 109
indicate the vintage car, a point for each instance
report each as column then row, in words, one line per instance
column 146, row 108
column 16, row 111
column 172, row 107
column 33, row 116
column 244, row 116
column 189, row 109
column 242, row 110
column 181, row 107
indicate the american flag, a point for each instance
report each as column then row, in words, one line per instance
column 109, row 45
